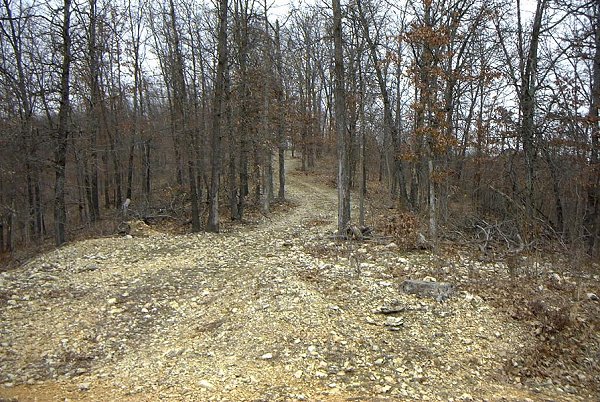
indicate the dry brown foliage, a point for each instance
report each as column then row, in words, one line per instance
column 403, row 227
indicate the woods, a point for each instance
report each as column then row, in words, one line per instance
column 480, row 118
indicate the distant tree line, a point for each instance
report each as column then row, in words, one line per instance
column 473, row 114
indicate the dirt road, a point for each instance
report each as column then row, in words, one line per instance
column 272, row 311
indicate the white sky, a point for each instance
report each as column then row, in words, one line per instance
column 280, row 8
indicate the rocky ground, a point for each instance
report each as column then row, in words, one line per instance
column 278, row 310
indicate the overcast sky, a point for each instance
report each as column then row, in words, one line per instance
column 280, row 8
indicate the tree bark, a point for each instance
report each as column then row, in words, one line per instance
column 343, row 182
column 280, row 118
column 527, row 105
column 242, row 16
column 1, row 234
column 593, row 196
column 10, row 235
column 62, row 135
column 362, row 147
column 194, row 197
column 147, row 187
column 106, row 180
column 95, row 108
column 135, row 30
column 81, row 186
column 265, row 151
column 218, row 106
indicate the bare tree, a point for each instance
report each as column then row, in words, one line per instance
column 16, row 29
column 593, row 196
column 266, row 169
column 390, row 125
column 218, row 109
column 281, row 139
column 343, row 175
column 62, row 131
column 239, row 189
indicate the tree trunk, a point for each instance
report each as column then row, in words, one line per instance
column 1, row 234
column 362, row 187
column 233, row 183
column 281, row 167
column 270, row 175
column 218, row 106
column 38, row 210
column 129, row 191
column 391, row 132
column 343, row 181
column 147, row 171
column 118, row 195
column 280, row 118
column 593, row 195
column 362, row 147
column 135, row 26
column 558, row 209
column 106, row 180
column 244, row 191
column 60, row 151
column 10, row 230
column 527, row 105
column 265, row 151
column 87, row 182
column 93, row 189
column 194, row 197
column 30, row 202
column 95, row 107
column 432, row 199
column 81, row 196
column 232, row 151
column 242, row 15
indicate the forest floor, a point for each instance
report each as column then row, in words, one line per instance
column 278, row 310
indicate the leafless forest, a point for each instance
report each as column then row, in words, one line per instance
column 479, row 118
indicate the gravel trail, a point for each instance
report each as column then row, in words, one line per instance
column 270, row 311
